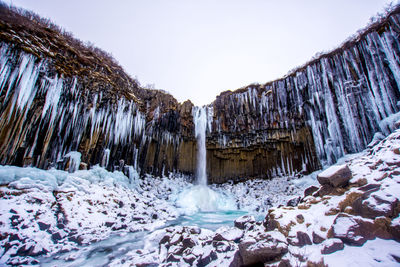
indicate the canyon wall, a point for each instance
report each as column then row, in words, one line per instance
column 58, row 96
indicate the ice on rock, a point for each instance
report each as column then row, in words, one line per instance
column 74, row 160
column 106, row 158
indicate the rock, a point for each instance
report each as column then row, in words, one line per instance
column 300, row 240
column 56, row 237
column 236, row 260
column 188, row 243
column 303, row 238
column 195, row 230
column 207, row 258
column 164, row 239
column 317, row 239
column 189, row 259
column 395, row 228
column 43, row 226
column 373, row 204
column 173, row 258
column 324, row 190
column 176, row 238
column 221, row 246
column 378, row 136
column 270, row 223
column 261, row 251
column 331, row 245
column 310, row 190
column 241, row 222
column 355, row 231
column 109, row 224
column 83, row 166
column 228, row 234
column 293, row 202
column 336, row 176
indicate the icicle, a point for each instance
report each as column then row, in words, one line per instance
column 74, row 160
column 106, row 158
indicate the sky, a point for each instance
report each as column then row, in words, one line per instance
column 196, row 49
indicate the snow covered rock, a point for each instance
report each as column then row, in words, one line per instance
column 268, row 247
column 241, row 222
column 301, row 239
column 228, row 234
column 331, row 245
column 336, row 176
column 355, row 230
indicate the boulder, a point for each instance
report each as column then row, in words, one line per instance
column 332, row 245
column 336, row 176
column 269, row 248
column 228, row 234
column 374, row 204
column 355, row 230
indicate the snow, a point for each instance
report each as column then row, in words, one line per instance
column 331, row 170
column 377, row 252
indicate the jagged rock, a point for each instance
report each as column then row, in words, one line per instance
column 267, row 248
column 332, row 245
column 336, row 176
column 243, row 221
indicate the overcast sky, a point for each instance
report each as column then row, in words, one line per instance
column 196, row 49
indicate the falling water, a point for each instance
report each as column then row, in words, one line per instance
column 200, row 124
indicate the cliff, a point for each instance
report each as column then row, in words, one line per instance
column 59, row 95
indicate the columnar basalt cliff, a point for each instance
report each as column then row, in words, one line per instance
column 58, row 96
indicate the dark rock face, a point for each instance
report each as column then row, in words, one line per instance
column 53, row 105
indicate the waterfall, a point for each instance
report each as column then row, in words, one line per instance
column 200, row 124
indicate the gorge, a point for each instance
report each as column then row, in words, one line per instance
column 92, row 161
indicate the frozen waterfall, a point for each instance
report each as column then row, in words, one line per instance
column 200, row 123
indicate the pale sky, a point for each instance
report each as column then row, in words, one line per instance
column 195, row 49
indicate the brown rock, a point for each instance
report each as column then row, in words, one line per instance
column 332, row 245
column 310, row 190
column 317, row 239
column 257, row 252
column 354, row 230
column 300, row 240
column 336, row 176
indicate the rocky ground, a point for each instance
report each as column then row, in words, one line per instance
column 351, row 219
column 44, row 213
column 354, row 210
